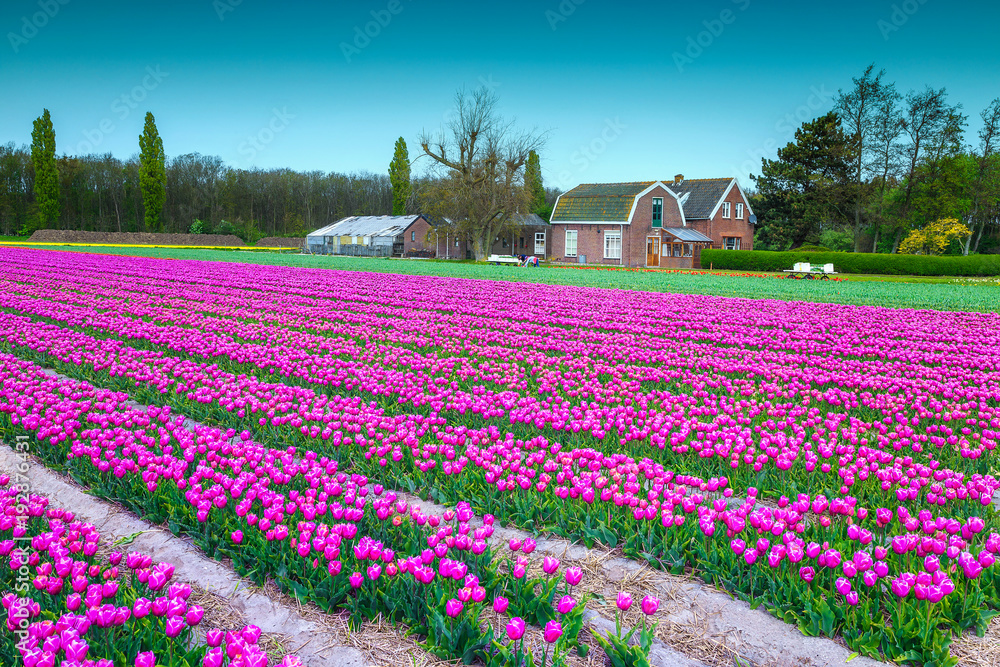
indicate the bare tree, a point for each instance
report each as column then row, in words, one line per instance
column 858, row 110
column 482, row 156
column 985, row 190
column 887, row 153
column 926, row 116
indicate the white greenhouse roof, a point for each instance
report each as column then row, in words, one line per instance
column 364, row 225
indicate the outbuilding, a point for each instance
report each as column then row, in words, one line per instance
column 364, row 235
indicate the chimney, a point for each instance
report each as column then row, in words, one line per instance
column 678, row 179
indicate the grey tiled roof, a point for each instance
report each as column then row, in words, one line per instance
column 595, row 202
column 703, row 195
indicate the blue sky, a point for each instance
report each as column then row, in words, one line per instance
column 625, row 90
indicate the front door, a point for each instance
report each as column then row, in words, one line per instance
column 652, row 251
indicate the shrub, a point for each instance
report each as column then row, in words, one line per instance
column 197, row 227
column 849, row 262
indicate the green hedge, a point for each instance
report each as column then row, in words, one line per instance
column 850, row 262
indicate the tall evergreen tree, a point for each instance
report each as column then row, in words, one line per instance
column 152, row 174
column 808, row 186
column 399, row 176
column 533, row 182
column 43, row 157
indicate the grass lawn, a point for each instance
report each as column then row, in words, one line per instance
column 937, row 293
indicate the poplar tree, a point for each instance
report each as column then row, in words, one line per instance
column 43, row 157
column 152, row 174
column 399, row 177
column 533, row 182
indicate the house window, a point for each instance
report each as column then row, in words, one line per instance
column 612, row 245
column 571, row 243
column 688, row 249
column 456, row 243
column 504, row 243
column 725, row 209
column 731, row 242
column 658, row 211
column 413, row 236
column 677, row 249
column 739, row 211
column 521, row 241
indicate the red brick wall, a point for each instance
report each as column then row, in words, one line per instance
column 719, row 227
column 419, row 237
column 590, row 237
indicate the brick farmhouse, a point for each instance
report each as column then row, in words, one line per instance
column 651, row 223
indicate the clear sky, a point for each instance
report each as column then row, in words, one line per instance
column 625, row 90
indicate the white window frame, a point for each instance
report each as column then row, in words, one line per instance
column 612, row 245
column 572, row 234
column 540, row 239
column 739, row 211
column 733, row 241
column 725, row 209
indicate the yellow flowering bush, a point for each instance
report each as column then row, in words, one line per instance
column 935, row 238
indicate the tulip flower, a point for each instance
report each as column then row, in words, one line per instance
column 515, row 628
column 650, row 604
column 174, row 626
column 145, row 659
column 552, row 632
column 194, row 615
column 565, row 604
column 623, row 601
column 453, row 607
column 214, row 637
column 214, row 657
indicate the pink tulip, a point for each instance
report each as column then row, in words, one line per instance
column 214, row 657
column 453, row 607
column 553, row 631
column 515, row 628
column 650, row 604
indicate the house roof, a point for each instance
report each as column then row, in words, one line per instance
column 612, row 202
column 527, row 220
column 702, row 195
column 366, row 225
column 593, row 202
column 687, row 234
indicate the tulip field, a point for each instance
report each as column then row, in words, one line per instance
column 832, row 464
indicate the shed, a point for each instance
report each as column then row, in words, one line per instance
column 362, row 235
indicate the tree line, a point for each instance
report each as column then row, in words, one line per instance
column 487, row 177
column 106, row 194
column 880, row 167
